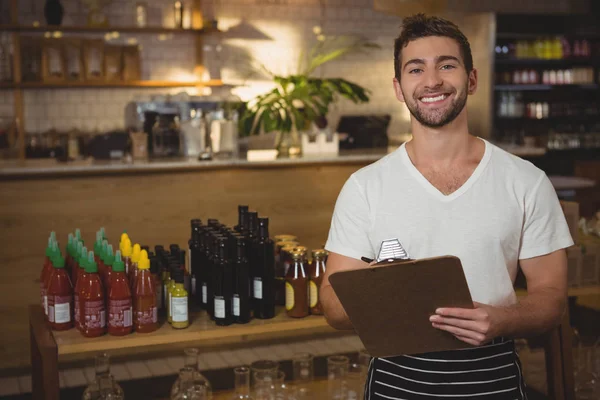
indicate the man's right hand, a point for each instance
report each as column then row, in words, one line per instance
column 334, row 312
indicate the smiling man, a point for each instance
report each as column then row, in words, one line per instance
column 448, row 192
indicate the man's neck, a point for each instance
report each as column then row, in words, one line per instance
column 443, row 146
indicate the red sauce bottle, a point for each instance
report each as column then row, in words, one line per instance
column 144, row 303
column 80, row 274
column 109, row 259
column 119, row 300
column 101, row 260
column 91, row 301
column 60, row 297
column 76, row 258
column 133, row 268
column 68, row 254
column 47, row 270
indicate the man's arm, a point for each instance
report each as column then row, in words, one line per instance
column 334, row 312
column 538, row 312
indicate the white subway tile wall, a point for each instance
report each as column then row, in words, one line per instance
column 289, row 25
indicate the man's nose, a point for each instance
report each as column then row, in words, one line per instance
column 432, row 78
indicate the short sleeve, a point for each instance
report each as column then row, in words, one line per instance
column 348, row 234
column 545, row 229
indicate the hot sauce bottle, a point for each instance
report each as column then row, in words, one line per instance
column 60, row 296
column 69, row 253
column 155, row 271
column 80, row 274
column 120, row 307
column 179, row 302
column 47, row 270
column 263, row 274
column 126, row 250
column 98, row 247
column 241, row 306
column 102, row 260
column 317, row 270
column 144, row 298
column 91, row 301
column 296, row 287
column 75, row 267
column 133, row 267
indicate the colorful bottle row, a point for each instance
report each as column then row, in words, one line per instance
column 548, row 48
column 82, row 289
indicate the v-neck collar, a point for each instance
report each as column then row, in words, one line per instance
column 432, row 189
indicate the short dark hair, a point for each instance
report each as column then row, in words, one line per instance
column 419, row 26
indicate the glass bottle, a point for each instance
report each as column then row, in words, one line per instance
column 263, row 273
column 223, row 286
column 194, row 256
column 241, row 305
column 317, row 271
column 242, row 384
column 179, row 303
column 242, row 225
column 191, row 375
column 296, row 287
column 104, row 386
column 303, row 368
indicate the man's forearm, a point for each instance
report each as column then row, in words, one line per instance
column 334, row 311
column 535, row 314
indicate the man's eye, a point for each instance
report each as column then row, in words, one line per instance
column 448, row 66
column 415, row 71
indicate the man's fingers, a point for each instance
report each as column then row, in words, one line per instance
column 467, row 324
column 463, row 313
column 456, row 331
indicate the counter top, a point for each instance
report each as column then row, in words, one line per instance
column 37, row 168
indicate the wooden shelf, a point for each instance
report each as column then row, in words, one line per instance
column 202, row 332
column 553, row 62
column 98, row 29
column 104, row 84
column 586, row 86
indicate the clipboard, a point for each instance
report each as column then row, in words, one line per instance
column 389, row 303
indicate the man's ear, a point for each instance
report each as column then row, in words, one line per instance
column 473, row 81
column 398, row 90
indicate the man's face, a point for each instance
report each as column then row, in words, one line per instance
column 434, row 83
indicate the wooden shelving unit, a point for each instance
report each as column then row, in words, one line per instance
column 104, row 84
column 17, row 137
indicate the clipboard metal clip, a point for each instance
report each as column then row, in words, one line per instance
column 391, row 249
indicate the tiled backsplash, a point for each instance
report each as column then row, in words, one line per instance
column 287, row 26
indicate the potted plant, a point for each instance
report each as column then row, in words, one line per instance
column 299, row 99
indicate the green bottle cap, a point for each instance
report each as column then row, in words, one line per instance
column 55, row 251
column 83, row 257
column 90, row 266
column 53, row 236
column 98, row 243
column 49, row 247
column 102, row 233
column 109, row 257
column 103, row 250
column 118, row 264
column 58, row 261
column 78, row 234
column 70, row 244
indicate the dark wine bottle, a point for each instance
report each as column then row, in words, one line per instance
column 241, row 305
column 194, row 258
column 223, row 285
column 263, row 272
column 242, row 225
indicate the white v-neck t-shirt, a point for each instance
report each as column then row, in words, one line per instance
column 506, row 211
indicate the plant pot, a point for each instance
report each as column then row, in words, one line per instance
column 53, row 12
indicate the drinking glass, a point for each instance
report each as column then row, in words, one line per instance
column 303, row 367
column 337, row 371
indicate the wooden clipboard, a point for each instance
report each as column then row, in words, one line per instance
column 389, row 304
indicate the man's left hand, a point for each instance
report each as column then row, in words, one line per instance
column 475, row 326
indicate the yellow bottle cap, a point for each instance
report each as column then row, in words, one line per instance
column 144, row 262
column 135, row 255
column 126, row 248
column 124, row 237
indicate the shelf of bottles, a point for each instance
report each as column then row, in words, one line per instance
column 234, row 274
column 547, row 86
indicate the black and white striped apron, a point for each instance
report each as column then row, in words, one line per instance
column 489, row 372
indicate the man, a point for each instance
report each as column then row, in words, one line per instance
column 447, row 192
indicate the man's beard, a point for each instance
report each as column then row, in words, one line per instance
column 437, row 118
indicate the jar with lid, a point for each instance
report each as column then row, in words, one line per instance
column 296, row 287
column 280, row 269
column 316, row 273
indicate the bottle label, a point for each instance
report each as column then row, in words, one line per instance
column 204, row 296
column 193, row 285
column 179, row 308
column 147, row 317
column 119, row 313
column 219, row 307
column 314, row 294
column 235, row 305
column 94, row 314
column 258, row 293
column 170, row 303
column 59, row 309
column 289, row 296
column 45, row 304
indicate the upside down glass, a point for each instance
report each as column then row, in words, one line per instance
column 303, row 367
column 337, row 371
